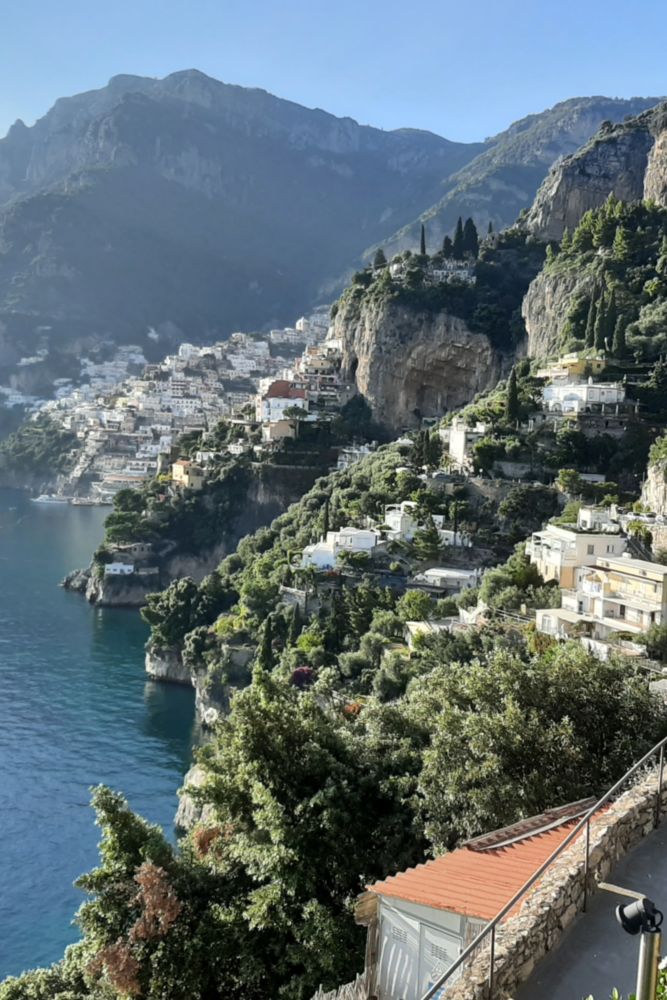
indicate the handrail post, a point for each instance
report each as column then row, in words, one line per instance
column 491, row 960
column 658, row 799
column 586, row 863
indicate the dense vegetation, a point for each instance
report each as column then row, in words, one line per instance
column 617, row 256
column 38, row 448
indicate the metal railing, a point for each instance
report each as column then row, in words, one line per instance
column 489, row 931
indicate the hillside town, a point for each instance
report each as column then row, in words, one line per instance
column 128, row 428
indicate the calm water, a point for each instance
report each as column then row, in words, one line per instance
column 75, row 710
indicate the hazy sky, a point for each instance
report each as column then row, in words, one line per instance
column 464, row 69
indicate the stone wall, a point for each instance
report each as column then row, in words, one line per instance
column 553, row 904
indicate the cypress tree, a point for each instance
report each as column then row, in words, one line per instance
column 600, row 325
column 619, row 347
column 265, row 660
column 590, row 321
column 470, row 238
column 379, row 260
column 458, row 240
column 512, row 398
column 295, row 626
column 611, row 317
column 447, row 248
column 422, row 241
column 325, row 517
column 490, row 227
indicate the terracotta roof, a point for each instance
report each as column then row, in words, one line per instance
column 282, row 389
column 472, row 882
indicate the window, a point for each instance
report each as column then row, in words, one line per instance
column 610, row 548
column 621, row 611
column 399, row 934
column 591, row 549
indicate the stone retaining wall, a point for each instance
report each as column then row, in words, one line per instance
column 552, row 905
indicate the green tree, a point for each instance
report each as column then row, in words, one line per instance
column 611, row 318
column 265, row 659
column 570, row 481
column 590, row 320
column 379, row 260
column 447, row 248
column 426, row 542
column 512, row 406
column 415, row 606
column 470, row 238
column 622, row 246
column 619, row 346
column 457, row 245
column 422, row 241
column 490, row 227
column 600, row 325
column 512, row 737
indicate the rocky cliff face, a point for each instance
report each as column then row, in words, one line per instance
column 545, row 307
column 410, row 364
column 626, row 159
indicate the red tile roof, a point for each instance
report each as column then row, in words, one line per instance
column 472, row 882
column 282, row 389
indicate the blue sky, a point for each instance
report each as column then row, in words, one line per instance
column 465, row 70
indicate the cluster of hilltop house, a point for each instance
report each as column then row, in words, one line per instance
column 129, row 426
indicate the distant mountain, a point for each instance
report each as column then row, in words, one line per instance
column 502, row 180
column 193, row 203
column 193, row 208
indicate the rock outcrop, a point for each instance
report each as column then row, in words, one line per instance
column 627, row 160
column 545, row 307
column 167, row 665
column 190, row 812
column 411, row 364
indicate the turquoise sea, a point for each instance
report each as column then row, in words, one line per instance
column 75, row 710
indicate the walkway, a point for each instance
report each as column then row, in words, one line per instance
column 596, row 954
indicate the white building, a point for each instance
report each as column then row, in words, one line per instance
column 324, row 554
column 613, row 603
column 118, row 569
column 448, row 579
column 278, row 398
column 558, row 550
column 577, row 397
column 460, row 438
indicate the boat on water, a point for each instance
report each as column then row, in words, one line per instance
column 90, row 502
column 50, row 498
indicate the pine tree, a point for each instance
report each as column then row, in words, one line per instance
column 489, row 227
column 590, row 320
column 566, row 240
column 622, row 245
column 427, row 541
column 512, row 398
column 470, row 238
column 600, row 325
column 619, row 347
column 447, row 248
column 379, row 260
column 422, row 241
column 457, row 247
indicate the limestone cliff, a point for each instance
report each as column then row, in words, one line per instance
column 627, row 159
column 411, row 364
column 545, row 309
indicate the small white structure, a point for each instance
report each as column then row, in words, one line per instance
column 449, row 579
column 279, row 397
column 576, row 397
column 401, row 521
column 461, row 439
column 324, row 554
column 118, row 569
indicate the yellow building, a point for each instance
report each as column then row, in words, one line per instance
column 187, row 475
